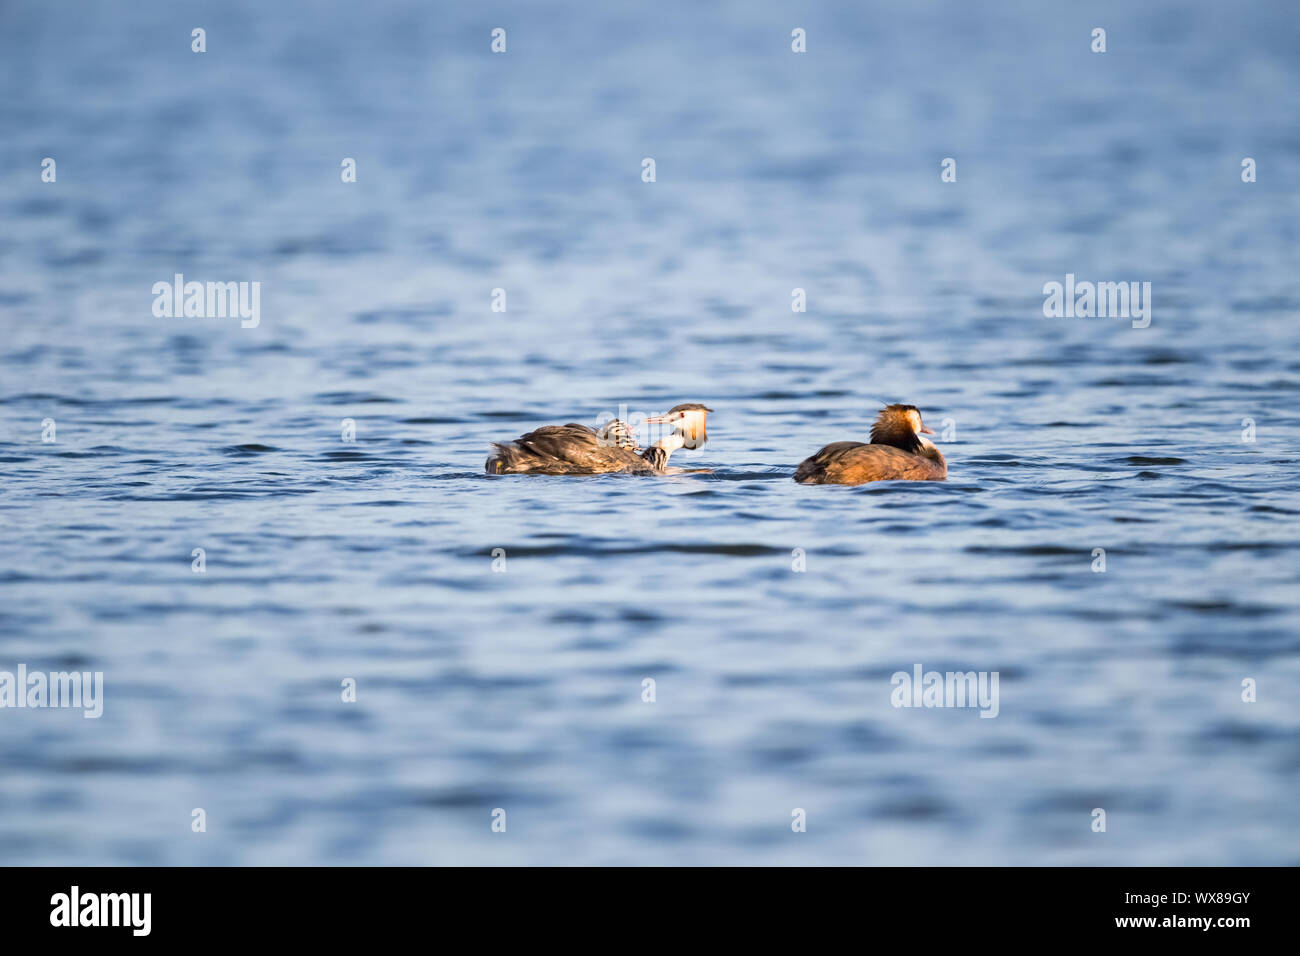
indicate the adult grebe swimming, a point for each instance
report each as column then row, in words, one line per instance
column 897, row 451
column 578, row 450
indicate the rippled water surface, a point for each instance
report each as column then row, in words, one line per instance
column 522, row 690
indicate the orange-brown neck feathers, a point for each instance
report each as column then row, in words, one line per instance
column 898, row 425
column 693, row 424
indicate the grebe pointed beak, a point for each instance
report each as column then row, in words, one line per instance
column 657, row 420
column 926, row 431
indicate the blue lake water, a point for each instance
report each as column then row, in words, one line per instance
column 373, row 560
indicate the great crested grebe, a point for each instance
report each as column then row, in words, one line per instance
column 897, row 451
column 579, row 450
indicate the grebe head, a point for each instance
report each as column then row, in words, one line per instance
column 900, row 426
column 689, row 422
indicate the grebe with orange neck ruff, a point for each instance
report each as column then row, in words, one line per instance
column 896, row 452
column 574, row 449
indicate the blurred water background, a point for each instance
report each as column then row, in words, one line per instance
column 522, row 690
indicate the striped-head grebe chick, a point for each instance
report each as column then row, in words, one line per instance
column 574, row 449
column 618, row 432
column 896, row 452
